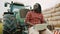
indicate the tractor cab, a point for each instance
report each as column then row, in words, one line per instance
column 19, row 10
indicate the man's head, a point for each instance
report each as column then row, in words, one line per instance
column 37, row 8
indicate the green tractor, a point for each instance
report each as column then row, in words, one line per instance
column 13, row 20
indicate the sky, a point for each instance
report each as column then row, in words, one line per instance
column 45, row 4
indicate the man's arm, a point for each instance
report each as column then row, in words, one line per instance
column 28, row 17
column 42, row 19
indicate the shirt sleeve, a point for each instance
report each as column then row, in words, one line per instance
column 28, row 16
column 42, row 19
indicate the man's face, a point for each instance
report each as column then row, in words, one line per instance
column 36, row 6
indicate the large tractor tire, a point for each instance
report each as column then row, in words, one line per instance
column 9, row 23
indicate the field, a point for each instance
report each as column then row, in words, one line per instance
column 1, row 28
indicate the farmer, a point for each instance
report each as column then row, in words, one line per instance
column 35, row 16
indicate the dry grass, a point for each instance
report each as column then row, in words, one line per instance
column 58, row 25
column 1, row 28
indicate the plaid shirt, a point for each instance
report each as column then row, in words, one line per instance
column 34, row 18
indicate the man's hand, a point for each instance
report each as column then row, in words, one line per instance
column 30, row 23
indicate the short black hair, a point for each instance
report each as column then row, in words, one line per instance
column 38, row 10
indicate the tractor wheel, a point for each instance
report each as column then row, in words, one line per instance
column 9, row 23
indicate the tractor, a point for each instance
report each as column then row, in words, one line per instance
column 13, row 20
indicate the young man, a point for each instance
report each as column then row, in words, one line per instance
column 35, row 16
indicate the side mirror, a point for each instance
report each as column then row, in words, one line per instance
column 5, row 5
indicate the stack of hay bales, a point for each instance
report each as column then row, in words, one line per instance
column 52, row 15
